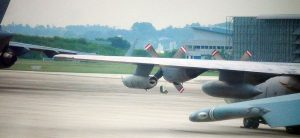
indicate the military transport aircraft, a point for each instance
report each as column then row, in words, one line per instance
column 9, row 51
column 259, row 92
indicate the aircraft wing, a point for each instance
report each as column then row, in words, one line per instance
column 21, row 48
column 245, row 66
column 284, row 110
column 278, row 111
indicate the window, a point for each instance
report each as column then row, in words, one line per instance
column 197, row 57
column 197, row 47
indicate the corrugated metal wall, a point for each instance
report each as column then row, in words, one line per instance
column 268, row 39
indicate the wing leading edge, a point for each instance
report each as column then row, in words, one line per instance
column 245, row 66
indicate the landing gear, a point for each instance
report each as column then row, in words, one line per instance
column 293, row 129
column 251, row 123
column 163, row 89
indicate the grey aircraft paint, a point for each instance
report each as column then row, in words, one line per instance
column 277, row 111
column 9, row 51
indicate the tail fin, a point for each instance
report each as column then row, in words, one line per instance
column 3, row 7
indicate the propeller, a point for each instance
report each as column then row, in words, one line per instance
column 246, row 57
column 178, row 86
column 180, row 53
column 149, row 48
column 216, row 54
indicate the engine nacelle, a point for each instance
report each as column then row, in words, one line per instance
column 7, row 59
column 227, row 90
column 139, row 82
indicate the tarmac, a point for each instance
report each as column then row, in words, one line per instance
column 63, row 105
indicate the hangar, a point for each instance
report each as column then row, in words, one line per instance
column 272, row 38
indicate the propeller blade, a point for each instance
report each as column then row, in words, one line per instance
column 216, row 54
column 247, row 55
column 158, row 74
column 149, row 48
column 178, row 86
column 181, row 52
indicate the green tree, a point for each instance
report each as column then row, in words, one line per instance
column 119, row 42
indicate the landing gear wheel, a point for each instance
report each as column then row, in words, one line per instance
column 293, row 130
column 251, row 123
column 163, row 89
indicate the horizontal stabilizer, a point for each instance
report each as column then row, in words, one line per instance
column 49, row 51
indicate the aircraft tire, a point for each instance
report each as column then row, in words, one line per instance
column 251, row 123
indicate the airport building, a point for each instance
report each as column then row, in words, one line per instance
column 205, row 40
column 273, row 38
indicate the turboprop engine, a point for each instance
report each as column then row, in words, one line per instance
column 7, row 56
column 7, row 59
column 139, row 82
column 175, row 75
column 228, row 90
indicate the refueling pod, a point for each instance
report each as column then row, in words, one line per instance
column 224, row 113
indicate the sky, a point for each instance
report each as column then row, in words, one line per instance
column 123, row 13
